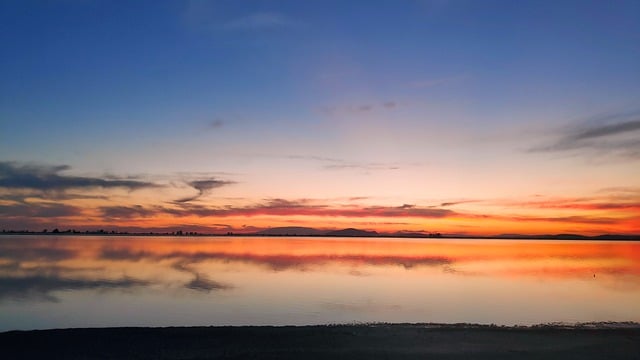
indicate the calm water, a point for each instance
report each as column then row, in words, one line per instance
column 84, row 281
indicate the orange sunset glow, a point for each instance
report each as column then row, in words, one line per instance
column 419, row 118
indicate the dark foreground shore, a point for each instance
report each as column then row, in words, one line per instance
column 326, row 342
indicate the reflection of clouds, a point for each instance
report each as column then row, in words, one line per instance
column 16, row 252
column 44, row 265
column 41, row 287
column 355, row 272
column 279, row 262
column 200, row 282
column 452, row 270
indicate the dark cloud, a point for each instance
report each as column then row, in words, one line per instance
column 606, row 130
column 127, row 212
column 452, row 203
column 204, row 187
column 48, row 178
column 39, row 210
column 598, row 138
column 283, row 207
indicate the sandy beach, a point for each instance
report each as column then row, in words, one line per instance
column 382, row 341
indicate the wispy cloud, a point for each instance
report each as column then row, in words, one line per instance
column 204, row 187
column 452, row 203
column 362, row 108
column 260, row 21
column 342, row 164
column 282, row 207
column 126, row 212
column 363, row 166
column 616, row 135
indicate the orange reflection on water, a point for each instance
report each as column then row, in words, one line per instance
column 280, row 280
column 542, row 258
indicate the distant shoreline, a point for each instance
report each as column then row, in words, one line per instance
column 612, row 237
column 366, row 341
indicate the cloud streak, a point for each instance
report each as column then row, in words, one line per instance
column 260, row 21
column 49, row 178
column 282, row 207
column 362, row 108
column 204, row 187
column 619, row 138
column 341, row 164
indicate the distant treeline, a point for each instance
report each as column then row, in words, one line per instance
column 338, row 233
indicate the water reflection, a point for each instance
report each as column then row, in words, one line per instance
column 314, row 280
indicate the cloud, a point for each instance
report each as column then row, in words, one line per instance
column 569, row 219
column 260, row 21
column 282, row 207
column 341, row 164
column 599, row 137
column 48, row 178
column 126, row 212
column 359, row 108
column 452, row 203
column 204, row 187
column 606, row 200
column 621, row 189
column 606, row 130
column 362, row 166
column 39, row 210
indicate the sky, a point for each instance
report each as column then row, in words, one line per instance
column 459, row 117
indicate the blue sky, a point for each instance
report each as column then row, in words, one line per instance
column 282, row 89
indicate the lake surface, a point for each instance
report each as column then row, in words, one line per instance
column 93, row 281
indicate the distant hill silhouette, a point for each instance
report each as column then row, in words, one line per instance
column 351, row 232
